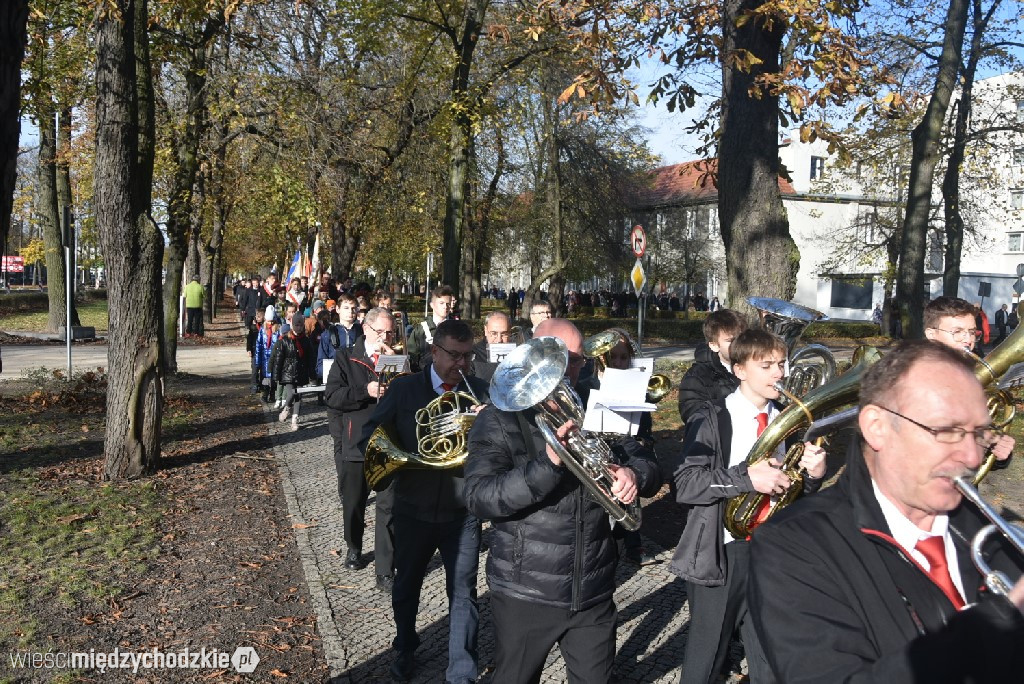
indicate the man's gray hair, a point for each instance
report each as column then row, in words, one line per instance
column 376, row 312
column 497, row 314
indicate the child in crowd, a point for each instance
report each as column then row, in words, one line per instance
column 250, row 347
column 294, row 364
column 268, row 335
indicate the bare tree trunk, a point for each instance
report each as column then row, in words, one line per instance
column 924, row 159
column 13, row 36
column 48, row 213
column 761, row 256
column 132, row 244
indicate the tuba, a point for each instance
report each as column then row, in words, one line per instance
column 442, row 427
column 788, row 321
column 599, row 347
column 740, row 510
column 533, row 375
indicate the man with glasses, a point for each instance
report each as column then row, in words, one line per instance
column 551, row 566
column 430, row 510
column 352, row 392
column 539, row 312
column 442, row 300
column 496, row 331
column 872, row 579
column 951, row 321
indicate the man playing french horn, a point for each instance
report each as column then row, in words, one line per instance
column 551, row 565
column 871, row 580
column 430, row 510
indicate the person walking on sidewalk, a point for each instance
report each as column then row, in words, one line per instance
column 194, row 295
column 293, row 366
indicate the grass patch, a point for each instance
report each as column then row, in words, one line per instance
column 93, row 313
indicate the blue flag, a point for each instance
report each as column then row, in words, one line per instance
column 294, row 269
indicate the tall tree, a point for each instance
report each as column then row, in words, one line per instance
column 132, row 243
column 924, row 159
column 13, row 22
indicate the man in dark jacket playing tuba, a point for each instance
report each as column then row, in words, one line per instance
column 551, row 566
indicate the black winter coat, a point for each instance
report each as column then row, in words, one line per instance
column 293, row 360
column 835, row 599
column 707, row 380
column 430, row 495
column 348, row 403
column 553, row 543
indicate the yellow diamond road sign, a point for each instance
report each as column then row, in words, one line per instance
column 638, row 277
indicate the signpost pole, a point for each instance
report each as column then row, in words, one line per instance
column 69, row 282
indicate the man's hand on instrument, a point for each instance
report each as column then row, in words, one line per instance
column 813, row 460
column 624, row 487
column 375, row 389
column 1017, row 595
column 1003, row 447
column 562, row 434
column 767, row 478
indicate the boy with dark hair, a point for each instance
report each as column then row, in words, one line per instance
column 950, row 320
column 710, row 377
column 718, row 438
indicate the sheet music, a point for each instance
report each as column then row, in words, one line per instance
column 392, row 363
column 617, row 406
column 497, row 352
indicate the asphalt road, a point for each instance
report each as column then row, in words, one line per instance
column 200, row 360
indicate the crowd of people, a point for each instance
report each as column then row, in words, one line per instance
column 868, row 580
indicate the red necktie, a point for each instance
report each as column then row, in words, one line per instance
column 374, row 356
column 934, row 549
column 446, row 387
column 766, row 504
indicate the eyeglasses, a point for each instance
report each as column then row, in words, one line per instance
column 456, row 356
column 576, row 359
column 543, row 312
column 381, row 333
column 960, row 332
column 497, row 335
column 985, row 437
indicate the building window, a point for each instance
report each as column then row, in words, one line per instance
column 817, row 167
column 867, row 223
column 1020, row 111
column 1014, row 242
column 851, row 293
column 1017, row 198
column 1018, row 156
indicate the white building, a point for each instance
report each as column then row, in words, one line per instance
column 838, row 217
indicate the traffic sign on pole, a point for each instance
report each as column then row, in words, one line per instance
column 638, row 241
column 638, row 277
column 1020, row 270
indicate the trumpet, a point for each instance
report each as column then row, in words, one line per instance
column 996, row 581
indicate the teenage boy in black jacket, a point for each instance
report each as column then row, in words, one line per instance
column 714, row 469
column 710, row 377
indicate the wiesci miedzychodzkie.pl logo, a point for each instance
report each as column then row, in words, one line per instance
column 244, row 660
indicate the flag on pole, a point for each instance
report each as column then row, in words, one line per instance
column 314, row 276
column 293, row 272
column 274, row 270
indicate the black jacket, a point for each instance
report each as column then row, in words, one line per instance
column 707, row 380
column 835, row 599
column 293, row 360
column 419, row 346
column 427, row 494
column 553, row 543
column 705, row 482
column 482, row 368
column 348, row 403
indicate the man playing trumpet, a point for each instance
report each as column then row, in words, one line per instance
column 871, row 580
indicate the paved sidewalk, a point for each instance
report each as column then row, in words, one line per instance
column 355, row 619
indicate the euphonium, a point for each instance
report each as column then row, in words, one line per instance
column 441, row 430
column 788, row 321
column 843, row 390
column 533, row 376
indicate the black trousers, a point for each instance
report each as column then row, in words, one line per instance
column 715, row 612
column 525, row 632
column 194, row 321
column 354, row 494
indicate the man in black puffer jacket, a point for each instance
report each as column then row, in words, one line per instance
column 710, row 377
column 551, row 567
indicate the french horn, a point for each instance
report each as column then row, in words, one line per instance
column 442, row 427
column 533, row 376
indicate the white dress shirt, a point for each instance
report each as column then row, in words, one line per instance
column 743, row 414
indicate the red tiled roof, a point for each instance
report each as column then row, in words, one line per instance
column 686, row 182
